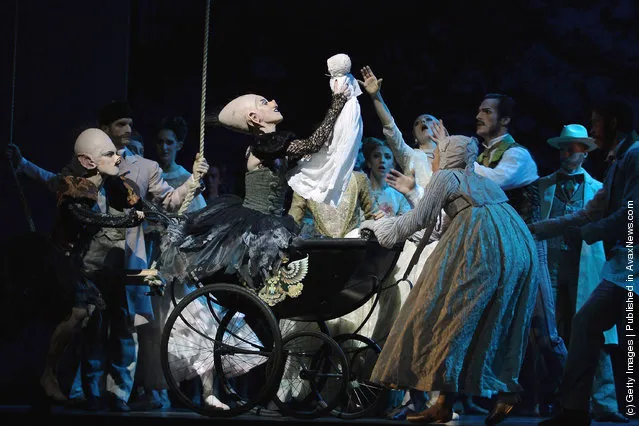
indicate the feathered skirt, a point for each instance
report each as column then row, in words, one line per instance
column 226, row 238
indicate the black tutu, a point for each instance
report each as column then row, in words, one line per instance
column 226, row 238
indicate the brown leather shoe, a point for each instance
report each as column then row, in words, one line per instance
column 435, row 414
column 502, row 408
column 499, row 412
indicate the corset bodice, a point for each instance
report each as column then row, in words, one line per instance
column 265, row 191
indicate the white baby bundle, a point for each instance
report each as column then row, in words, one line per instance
column 324, row 176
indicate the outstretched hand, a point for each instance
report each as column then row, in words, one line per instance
column 439, row 131
column 401, row 182
column 371, row 84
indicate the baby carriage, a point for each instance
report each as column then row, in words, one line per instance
column 250, row 349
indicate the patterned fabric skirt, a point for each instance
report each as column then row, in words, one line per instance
column 464, row 326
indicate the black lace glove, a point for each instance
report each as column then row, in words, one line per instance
column 88, row 216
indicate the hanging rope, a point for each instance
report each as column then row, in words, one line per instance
column 23, row 199
column 189, row 197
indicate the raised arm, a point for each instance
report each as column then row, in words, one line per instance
column 390, row 231
column 301, row 147
column 33, row 171
column 401, row 150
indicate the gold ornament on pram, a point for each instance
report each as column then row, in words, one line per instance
column 287, row 281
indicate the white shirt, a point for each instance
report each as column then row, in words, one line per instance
column 497, row 139
column 515, row 169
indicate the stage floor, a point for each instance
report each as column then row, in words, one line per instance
column 24, row 415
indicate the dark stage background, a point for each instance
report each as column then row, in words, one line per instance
column 73, row 56
column 437, row 57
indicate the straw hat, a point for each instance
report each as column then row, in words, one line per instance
column 573, row 133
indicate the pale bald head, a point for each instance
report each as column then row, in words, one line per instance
column 248, row 113
column 93, row 142
column 96, row 152
column 235, row 113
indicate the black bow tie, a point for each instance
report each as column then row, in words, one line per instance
column 561, row 177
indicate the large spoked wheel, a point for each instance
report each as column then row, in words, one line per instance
column 362, row 398
column 288, row 327
column 227, row 339
column 315, row 375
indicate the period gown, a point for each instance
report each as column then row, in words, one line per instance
column 463, row 327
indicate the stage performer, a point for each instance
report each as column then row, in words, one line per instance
column 90, row 198
column 463, row 327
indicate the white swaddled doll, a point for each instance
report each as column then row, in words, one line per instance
column 324, row 176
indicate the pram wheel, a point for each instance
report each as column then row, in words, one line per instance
column 228, row 339
column 315, row 375
column 288, row 327
column 362, row 398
